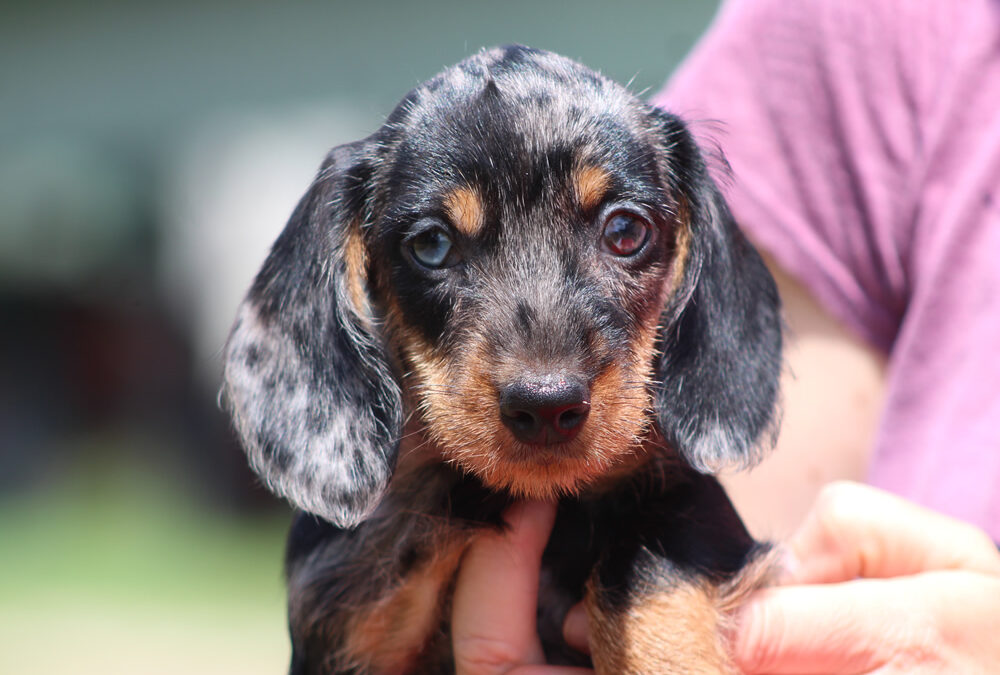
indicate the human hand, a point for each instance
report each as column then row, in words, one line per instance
column 880, row 586
column 496, row 598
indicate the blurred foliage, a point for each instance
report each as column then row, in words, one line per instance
column 128, row 537
column 115, row 571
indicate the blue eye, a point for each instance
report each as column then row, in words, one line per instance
column 431, row 248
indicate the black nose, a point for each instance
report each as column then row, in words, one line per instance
column 546, row 409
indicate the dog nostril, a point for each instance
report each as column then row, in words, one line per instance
column 545, row 410
column 573, row 417
column 523, row 423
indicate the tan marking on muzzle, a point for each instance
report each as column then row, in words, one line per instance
column 461, row 410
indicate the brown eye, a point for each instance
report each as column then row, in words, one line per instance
column 625, row 234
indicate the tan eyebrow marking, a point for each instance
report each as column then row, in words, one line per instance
column 591, row 184
column 465, row 209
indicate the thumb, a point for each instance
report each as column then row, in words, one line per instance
column 813, row 629
column 861, row 625
column 858, row 531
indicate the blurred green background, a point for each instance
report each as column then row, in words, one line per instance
column 149, row 153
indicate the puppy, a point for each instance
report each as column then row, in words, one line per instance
column 525, row 284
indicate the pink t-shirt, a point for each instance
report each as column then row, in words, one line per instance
column 864, row 140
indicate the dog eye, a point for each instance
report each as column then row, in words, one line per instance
column 431, row 248
column 625, row 234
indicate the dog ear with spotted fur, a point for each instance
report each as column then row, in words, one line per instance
column 307, row 379
column 721, row 341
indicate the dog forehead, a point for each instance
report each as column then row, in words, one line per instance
column 522, row 78
column 516, row 103
column 514, row 124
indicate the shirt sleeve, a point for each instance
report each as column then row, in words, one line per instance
column 821, row 169
column 864, row 142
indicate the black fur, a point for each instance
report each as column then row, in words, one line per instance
column 320, row 380
column 720, row 364
column 309, row 385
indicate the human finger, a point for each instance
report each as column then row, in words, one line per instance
column 495, row 602
column 856, row 531
column 576, row 628
column 928, row 623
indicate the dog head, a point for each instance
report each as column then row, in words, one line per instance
column 532, row 263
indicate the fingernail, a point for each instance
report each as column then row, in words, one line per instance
column 576, row 627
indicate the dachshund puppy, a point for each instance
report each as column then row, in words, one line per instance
column 525, row 284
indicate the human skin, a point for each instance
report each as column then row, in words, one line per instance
column 831, row 398
column 876, row 584
column 493, row 615
column 872, row 584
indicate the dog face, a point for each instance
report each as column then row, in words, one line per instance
column 533, row 264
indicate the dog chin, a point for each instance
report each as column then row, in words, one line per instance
column 543, row 474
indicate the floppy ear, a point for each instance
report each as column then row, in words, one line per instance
column 306, row 377
column 721, row 340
